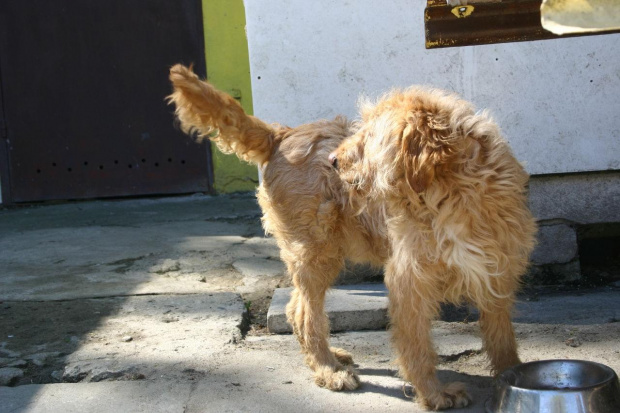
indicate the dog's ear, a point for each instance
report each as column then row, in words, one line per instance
column 426, row 148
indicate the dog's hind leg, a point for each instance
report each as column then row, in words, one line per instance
column 414, row 302
column 498, row 335
column 306, row 314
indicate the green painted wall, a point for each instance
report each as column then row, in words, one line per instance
column 228, row 68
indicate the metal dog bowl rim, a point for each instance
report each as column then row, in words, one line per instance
column 611, row 374
column 609, row 382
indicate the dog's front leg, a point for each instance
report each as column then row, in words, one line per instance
column 305, row 312
column 498, row 334
column 414, row 302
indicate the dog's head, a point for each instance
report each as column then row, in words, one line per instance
column 405, row 142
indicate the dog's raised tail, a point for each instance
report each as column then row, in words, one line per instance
column 209, row 113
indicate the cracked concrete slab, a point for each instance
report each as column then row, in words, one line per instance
column 103, row 249
column 98, row 261
column 163, row 334
column 160, row 335
column 267, row 374
column 126, row 290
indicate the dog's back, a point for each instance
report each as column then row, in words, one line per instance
column 303, row 201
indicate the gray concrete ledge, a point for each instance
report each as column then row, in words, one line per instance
column 584, row 198
column 364, row 307
column 352, row 307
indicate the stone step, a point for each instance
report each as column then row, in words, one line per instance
column 350, row 307
column 364, row 307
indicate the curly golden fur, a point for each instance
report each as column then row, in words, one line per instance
column 457, row 222
column 424, row 187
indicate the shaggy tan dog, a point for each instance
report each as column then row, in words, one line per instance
column 424, row 186
column 457, row 221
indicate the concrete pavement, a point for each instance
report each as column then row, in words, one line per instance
column 365, row 306
column 141, row 305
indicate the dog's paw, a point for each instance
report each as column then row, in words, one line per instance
column 452, row 395
column 343, row 356
column 343, row 378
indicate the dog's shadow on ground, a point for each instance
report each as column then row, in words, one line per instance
column 406, row 391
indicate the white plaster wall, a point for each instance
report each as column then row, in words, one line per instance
column 557, row 101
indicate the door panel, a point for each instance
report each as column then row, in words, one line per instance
column 83, row 86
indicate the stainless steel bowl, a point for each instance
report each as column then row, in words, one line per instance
column 556, row 386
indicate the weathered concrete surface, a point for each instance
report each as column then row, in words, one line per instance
column 352, row 307
column 266, row 374
column 157, row 336
column 8, row 374
column 164, row 397
column 364, row 307
column 158, row 324
column 557, row 244
column 126, row 247
column 127, row 290
column 263, row 374
column 587, row 198
column 594, row 307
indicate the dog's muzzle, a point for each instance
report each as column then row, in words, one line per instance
column 333, row 160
